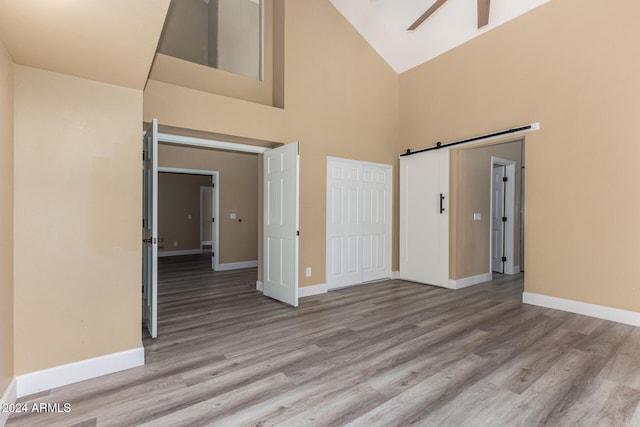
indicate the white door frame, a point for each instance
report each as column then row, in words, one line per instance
column 388, row 208
column 202, row 190
column 509, row 211
column 215, row 176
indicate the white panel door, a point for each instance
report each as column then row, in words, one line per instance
column 376, row 224
column 280, row 238
column 424, row 217
column 344, row 223
column 150, row 230
column 358, row 222
column 497, row 212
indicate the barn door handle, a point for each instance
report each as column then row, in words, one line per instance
column 441, row 203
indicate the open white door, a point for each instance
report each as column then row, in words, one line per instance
column 150, row 230
column 498, row 172
column 280, row 240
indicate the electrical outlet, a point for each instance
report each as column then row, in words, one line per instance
column 175, row 244
column 308, row 271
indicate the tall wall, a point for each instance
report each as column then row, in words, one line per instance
column 6, row 220
column 571, row 65
column 179, row 211
column 341, row 99
column 238, row 193
column 77, row 187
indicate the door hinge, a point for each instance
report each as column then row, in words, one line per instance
column 505, row 179
column 297, row 232
column 504, row 219
column 213, row 220
column 213, row 185
column 504, row 259
column 213, row 254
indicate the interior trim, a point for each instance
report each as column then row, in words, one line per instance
column 470, row 281
column 593, row 310
column 46, row 379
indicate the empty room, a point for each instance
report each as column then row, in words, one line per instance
column 419, row 212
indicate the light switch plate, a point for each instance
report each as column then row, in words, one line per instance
column 477, row 216
column 233, row 216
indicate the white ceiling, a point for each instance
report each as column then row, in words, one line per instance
column 383, row 24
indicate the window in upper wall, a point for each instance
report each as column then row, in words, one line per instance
column 224, row 34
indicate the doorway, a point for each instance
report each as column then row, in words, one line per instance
column 170, row 234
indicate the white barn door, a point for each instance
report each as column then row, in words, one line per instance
column 281, row 212
column 424, row 217
column 358, row 222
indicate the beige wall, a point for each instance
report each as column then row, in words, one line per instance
column 186, row 31
column 239, row 37
column 179, row 198
column 238, row 193
column 341, row 100
column 6, row 219
column 470, row 193
column 577, row 74
column 78, row 203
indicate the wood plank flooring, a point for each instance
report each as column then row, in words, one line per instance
column 390, row 353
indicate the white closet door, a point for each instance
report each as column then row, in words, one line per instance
column 376, row 224
column 344, row 224
column 424, row 217
column 358, row 222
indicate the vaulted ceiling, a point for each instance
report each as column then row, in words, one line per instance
column 111, row 41
column 384, row 23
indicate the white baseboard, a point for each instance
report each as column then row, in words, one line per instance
column 8, row 397
column 395, row 275
column 307, row 291
column 593, row 310
column 303, row 291
column 470, row 281
column 58, row 376
column 206, row 242
column 237, row 265
column 515, row 270
column 180, row 252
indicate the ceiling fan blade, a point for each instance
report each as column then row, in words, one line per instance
column 427, row 14
column 483, row 12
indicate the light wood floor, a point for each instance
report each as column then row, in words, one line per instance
column 382, row 354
